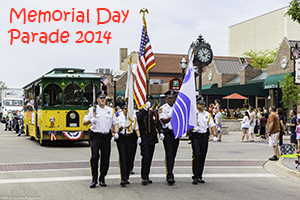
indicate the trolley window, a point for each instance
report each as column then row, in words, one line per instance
column 52, row 95
column 72, row 95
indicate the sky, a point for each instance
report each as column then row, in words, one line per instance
column 172, row 26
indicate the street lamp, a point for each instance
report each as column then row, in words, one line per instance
column 115, row 88
column 195, row 69
column 183, row 64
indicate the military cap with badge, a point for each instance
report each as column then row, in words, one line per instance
column 171, row 94
column 200, row 100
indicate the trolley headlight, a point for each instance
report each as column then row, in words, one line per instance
column 52, row 119
column 72, row 116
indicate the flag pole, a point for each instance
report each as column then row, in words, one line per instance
column 144, row 10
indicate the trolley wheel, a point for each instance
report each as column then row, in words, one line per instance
column 42, row 142
column 27, row 131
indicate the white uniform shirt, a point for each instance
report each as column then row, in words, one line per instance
column 203, row 123
column 122, row 120
column 165, row 111
column 106, row 117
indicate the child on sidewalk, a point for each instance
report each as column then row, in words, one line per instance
column 298, row 134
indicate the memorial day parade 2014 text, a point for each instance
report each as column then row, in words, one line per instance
column 104, row 16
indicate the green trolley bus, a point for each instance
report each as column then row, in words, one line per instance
column 56, row 104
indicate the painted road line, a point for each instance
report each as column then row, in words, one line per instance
column 83, row 178
column 112, row 168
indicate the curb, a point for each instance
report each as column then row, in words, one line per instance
column 281, row 168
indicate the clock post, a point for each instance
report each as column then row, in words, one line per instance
column 295, row 53
column 203, row 56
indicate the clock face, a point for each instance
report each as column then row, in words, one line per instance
column 204, row 54
column 284, row 62
column 296, row 53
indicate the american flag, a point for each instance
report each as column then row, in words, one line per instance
column 145, row 62
column 104, row 80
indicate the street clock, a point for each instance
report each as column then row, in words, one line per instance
column 203, row 54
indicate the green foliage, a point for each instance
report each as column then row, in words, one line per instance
column 290, row 92
column 2, row 85
column 294, row 11
column 261, row 59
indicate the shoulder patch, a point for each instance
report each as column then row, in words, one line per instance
column 159, row 110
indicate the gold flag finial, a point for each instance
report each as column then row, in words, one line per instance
column 144, row 10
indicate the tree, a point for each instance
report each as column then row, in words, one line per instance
column 290, row 92
column 294, row 11
column 261, row 59
column 2, row 85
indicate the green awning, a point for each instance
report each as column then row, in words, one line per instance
column 271, row 82
column 209, row 86
column 120, row 93
column 251, row 89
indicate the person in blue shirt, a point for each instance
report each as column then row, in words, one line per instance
column 292, row 126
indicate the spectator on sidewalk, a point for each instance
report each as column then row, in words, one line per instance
column 252, row 122
column 298, row 134
column 218, row 122
column 273, row 132
column 245, row 126
column 292, row 126
column 237, row 113
column 262, row 122
column 279, row 112
column 258, row 116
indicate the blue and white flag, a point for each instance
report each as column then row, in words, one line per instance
column 183, row 117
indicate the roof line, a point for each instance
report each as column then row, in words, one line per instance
column 258, row 16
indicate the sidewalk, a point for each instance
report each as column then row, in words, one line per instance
column 283, row 165
column 287, row 166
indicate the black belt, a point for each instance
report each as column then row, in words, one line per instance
column 198, row 134
column 125, row 136
column 100, row 135
column 168, row 131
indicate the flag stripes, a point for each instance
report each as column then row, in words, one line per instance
column 145, row 62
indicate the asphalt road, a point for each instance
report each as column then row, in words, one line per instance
column 234, row 170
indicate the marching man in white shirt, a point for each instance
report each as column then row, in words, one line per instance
column 199, row 138
column 101, row 118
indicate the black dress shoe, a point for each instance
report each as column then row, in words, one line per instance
column 93, row 184
column 200, row 180
column 149, row 181
column 131, row 172
column 171, row 181
column 123, row 183
column 144, row 182
column 102, row 184
column 127, row 182
column 195, row 181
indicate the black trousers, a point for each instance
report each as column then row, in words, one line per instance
column 171, row 146
column 103, row 145
column 199, row 146
column 125, row 149
column 132, row 158
column 147, row 155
